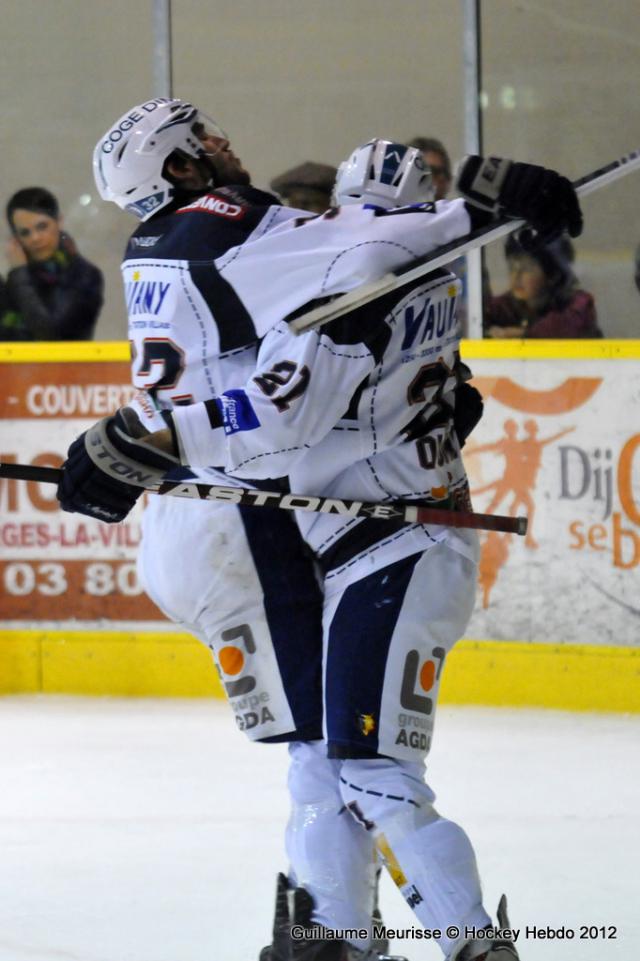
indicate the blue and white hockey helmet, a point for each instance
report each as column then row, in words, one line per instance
column 384, row 173
column 129, row 159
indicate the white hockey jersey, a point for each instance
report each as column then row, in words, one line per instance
column 361, row 408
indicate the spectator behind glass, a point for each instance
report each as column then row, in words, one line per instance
column 307, row 187
column 52, row 292
column 437, row 159
column 543, row 299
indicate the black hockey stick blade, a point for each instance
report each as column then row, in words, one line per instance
column 408, row 511
column 340, row 304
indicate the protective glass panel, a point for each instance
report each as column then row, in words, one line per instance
column 308, row 80
column 560, row 88
column 68, row 70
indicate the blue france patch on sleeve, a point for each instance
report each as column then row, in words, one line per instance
column 237, row 412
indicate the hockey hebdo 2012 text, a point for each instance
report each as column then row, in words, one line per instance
column 530, row 932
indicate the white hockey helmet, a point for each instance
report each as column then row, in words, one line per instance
column 129, row 159
column 384, row 173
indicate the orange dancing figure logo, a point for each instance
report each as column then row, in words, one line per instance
column 522, row 461
column 522, row 457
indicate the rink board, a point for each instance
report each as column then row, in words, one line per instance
column 562, row 612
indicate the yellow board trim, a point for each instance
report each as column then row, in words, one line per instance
column 62, row 352
column 577, row 677
column 87, row 351
column 137, row 664
column 550, row 349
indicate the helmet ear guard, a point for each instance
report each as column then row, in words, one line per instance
column 384, row 173
column 129, row 160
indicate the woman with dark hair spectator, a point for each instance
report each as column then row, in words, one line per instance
column 543, row 299
column 52, row 292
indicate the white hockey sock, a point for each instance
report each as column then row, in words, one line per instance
column 329, row 854
column 430, row 859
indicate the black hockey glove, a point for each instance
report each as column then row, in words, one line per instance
column 108, row 468
column 467, row 411
column 503, row 188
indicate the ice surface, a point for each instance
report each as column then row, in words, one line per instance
column 149, row 830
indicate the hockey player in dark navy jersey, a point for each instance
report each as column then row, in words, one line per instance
column 368, row 403
column 239, row 579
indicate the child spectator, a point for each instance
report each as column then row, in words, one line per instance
column 52, row 292
column 543, row 299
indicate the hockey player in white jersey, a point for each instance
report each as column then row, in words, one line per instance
column 367, row 404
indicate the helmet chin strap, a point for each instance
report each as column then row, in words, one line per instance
column 181, row 193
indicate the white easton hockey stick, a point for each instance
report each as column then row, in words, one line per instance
column 407, row 511
column 343, row 303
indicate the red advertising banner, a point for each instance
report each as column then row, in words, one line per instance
column 55, row 566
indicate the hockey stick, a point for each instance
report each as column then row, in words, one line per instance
column 343, row 303
column 410, row 513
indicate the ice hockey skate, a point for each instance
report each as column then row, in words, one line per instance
column 380, row 945
column 278, row 950
column 499, row 949
column 294, row 907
